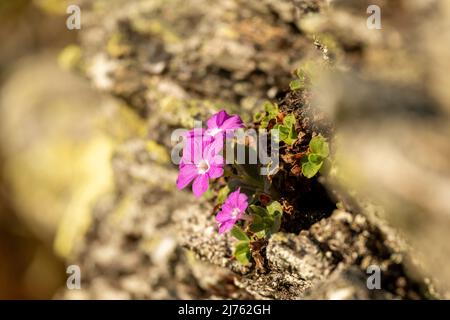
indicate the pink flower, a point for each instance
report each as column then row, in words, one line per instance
column 222, row 122
column 198, row 133
column 232, row 210
column 200, row 162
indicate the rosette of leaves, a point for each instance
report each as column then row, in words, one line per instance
column 314, row 159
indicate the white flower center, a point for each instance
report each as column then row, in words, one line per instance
column 214, row 131
column 235, row 213
column 203, row 167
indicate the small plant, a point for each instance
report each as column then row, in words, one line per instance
column 239, row 200
column 317, row 153
column 247, row 205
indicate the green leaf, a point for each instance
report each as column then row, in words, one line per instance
column 289, row 120
column 275, row 208
column 268, row 222
column 289, row 136
column 222, row 194
column 277, row 126
column 242, row 252
column 310, row 169
column 276, row 224
column 239, row 234
column 292, row 136
column 235, row 183
column 304, row 159
column 315, row 159
column 264, row 122
column 319, row 145
column 260, row 211
column 326, row 167
column 209, row 194
column 271, row 109
column 258, row 116
column 258, row 224
column 261, row 234
column 284, row 132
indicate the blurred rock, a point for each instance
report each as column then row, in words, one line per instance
column 56, row 158
column 393, row 126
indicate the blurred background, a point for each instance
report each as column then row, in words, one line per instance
column 50, row 142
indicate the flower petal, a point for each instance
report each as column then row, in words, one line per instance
column 234, row 122
column 238, row 216
column 242, row 197
column 226, row 226
column 213, row 148
column 200, row 185
column 217, row 119
column 223, row 216
column 232, row 199
column 187, row 173
column 215, row 172
column 193, row 150
column 242, row 202
column 217, row 161
column 194, row 133
column 243, row 206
